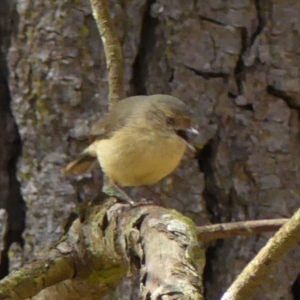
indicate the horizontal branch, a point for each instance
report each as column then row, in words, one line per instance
column 228, row 230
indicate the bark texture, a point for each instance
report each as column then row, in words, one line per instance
column 105, row 243
column 236, row 63
column 12, row 217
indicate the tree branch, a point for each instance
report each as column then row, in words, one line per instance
column 104, row 244
column 254, row 273
column 112, row 49
column 107, row 237
column 228, row 230
column 173, row 261
column 39, row 274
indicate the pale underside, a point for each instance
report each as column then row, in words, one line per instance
column 142, row 159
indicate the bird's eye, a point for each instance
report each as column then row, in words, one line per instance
column 170, row 120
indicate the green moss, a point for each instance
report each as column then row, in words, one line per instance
column 25, row 175
column 182, row 218
column 297, row 191
column 114, row 296
column 60, row 20
column 41, row 103
column 169, row 51
column 107, row 276
column 199, row 146
column 26, row 155
column 84, row 31
column 30, row 33
column 11, row 253
column 42, row 107
column 76, row 2
column 29, row 166
column 193, row 253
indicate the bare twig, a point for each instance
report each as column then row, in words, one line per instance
column 229, row 230
column 257, row 269
column 112, row 49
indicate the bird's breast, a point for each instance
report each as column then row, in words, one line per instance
column 134, row 158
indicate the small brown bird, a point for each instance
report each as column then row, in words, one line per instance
column 139, row 142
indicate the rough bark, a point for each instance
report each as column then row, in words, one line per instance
column 12, row 217
column 236, row 63
column 104, row 244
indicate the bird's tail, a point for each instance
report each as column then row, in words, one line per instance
column 84, row 163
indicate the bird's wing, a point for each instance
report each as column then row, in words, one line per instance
column 107, row 125
column 102, row 129
column 117, row 118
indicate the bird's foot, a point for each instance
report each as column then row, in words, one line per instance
column 126, row 198
column 142, row 202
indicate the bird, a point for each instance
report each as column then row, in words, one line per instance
column 141, row 140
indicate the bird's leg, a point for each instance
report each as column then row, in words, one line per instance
column 113, row 189
column 127, row 198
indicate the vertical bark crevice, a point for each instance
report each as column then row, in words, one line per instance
column 296, row 288
column 208, row 272
column 210, row 193
column 146, row 48
column 248, row 39
column 262, row 9
column 10, row 193
column 239, row 71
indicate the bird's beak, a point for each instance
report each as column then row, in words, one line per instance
column 186, row 132
column 192, row 130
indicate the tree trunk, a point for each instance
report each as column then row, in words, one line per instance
column 12, row 223
column 236, row 64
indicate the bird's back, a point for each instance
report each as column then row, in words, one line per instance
column 121, row 113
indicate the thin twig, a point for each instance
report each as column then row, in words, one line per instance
column 255, row 272
column 246, row 228
column 112, row 49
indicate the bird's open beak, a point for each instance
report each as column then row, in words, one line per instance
column 192, row 130
column 185, row 134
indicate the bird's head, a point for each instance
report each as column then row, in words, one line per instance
column 170, row 114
